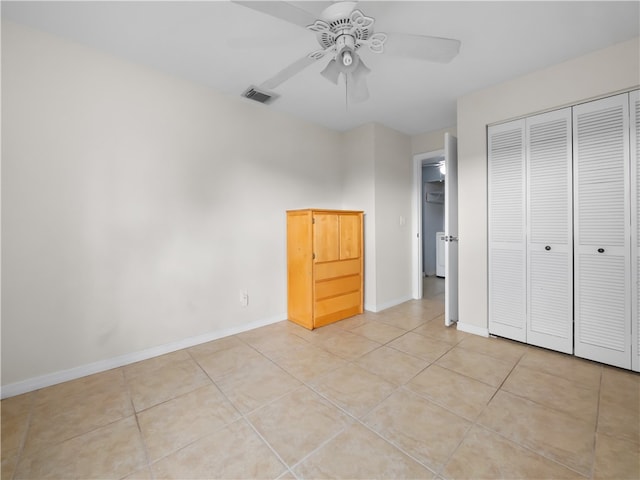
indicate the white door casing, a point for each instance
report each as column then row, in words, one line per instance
column 451, row 230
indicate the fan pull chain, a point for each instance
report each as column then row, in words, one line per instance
column 346, row 94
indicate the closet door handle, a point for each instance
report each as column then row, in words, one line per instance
column 601, row 250
column 547, row 248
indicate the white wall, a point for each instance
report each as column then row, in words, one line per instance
column 377, row 179
column 136, row 206
column 359, row 194
column 430, row 141
column 600, row 73
column 393, row 170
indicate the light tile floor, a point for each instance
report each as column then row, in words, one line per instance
column 388, row 395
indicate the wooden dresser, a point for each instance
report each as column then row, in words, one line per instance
column 324, row 266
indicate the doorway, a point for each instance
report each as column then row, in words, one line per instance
column 436, row 166
column 429, row 182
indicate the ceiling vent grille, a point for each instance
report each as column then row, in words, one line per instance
column 261, row 96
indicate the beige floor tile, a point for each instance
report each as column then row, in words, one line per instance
column 205, row 349
column 223, row 362
column 234, row 452
column 287, row 476
column 347, row 345
column 172, row 425
column 146, row 367
column 619, row 410
column 256, row 384
column 73, row 408
column 378, row 332
column 393, row 365
column 17, row 406
column 548, row 432
column 618, row 421
column 616, row 459
column 494, row 347
column 9, row 462
column 143, row 474
column 112, row 451
column 422, row 429
column 460, row 394
column 298, row 423
column 486, row 455
column 405, row 321
column 308, row 362
column 555, row 392
column 14, row 429
column 562, row 365
column 353, row 388
column 161, row 384
column 356, row 321
column 437, row 330
column 275, row 342
column 621, row 388
column 420, row 346
column 476, row 365
column 358, row 453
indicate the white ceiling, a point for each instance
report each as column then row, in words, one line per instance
column 229, row 47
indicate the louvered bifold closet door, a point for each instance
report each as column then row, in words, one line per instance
column 549, row 231
column 601, row 231
column 507, row 246
column 634, row 104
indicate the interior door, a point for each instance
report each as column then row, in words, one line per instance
column 549, row 231
column 451, row 229
column 507, row 235
column 602, row 231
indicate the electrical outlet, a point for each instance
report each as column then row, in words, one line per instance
column 244, row 298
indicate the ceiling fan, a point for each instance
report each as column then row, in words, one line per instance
column 342, row 31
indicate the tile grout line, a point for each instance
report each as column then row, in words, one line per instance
column 23, row 440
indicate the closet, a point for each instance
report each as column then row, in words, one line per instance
column 563, row 230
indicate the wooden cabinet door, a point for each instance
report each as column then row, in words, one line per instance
column 350, row 231
column 326, row 237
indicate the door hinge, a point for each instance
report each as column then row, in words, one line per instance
column 313, row 221
column 313, row 256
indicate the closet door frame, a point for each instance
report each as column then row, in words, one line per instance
column 634, row 117
column 507, row 272
column 592, row 339
column 549, row 230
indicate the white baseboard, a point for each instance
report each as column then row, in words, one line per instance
column 474, row 329
column 383, row 306
column 49, row 379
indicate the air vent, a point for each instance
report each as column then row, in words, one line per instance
column 262, row 96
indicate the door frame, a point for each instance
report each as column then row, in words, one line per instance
column 419, row 159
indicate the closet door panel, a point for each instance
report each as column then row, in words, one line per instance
column 634, row 104
column 602, row 231
column 549, row 231
column 507, row 247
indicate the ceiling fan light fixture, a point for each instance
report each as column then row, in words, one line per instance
column 360, row 72
column 331, row 72
column 347, row 59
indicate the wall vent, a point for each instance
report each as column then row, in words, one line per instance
column 259, row 95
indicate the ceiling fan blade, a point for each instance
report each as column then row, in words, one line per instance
column 282, row 10
column 422, row 47
column 241, row 43
column 288, row 72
